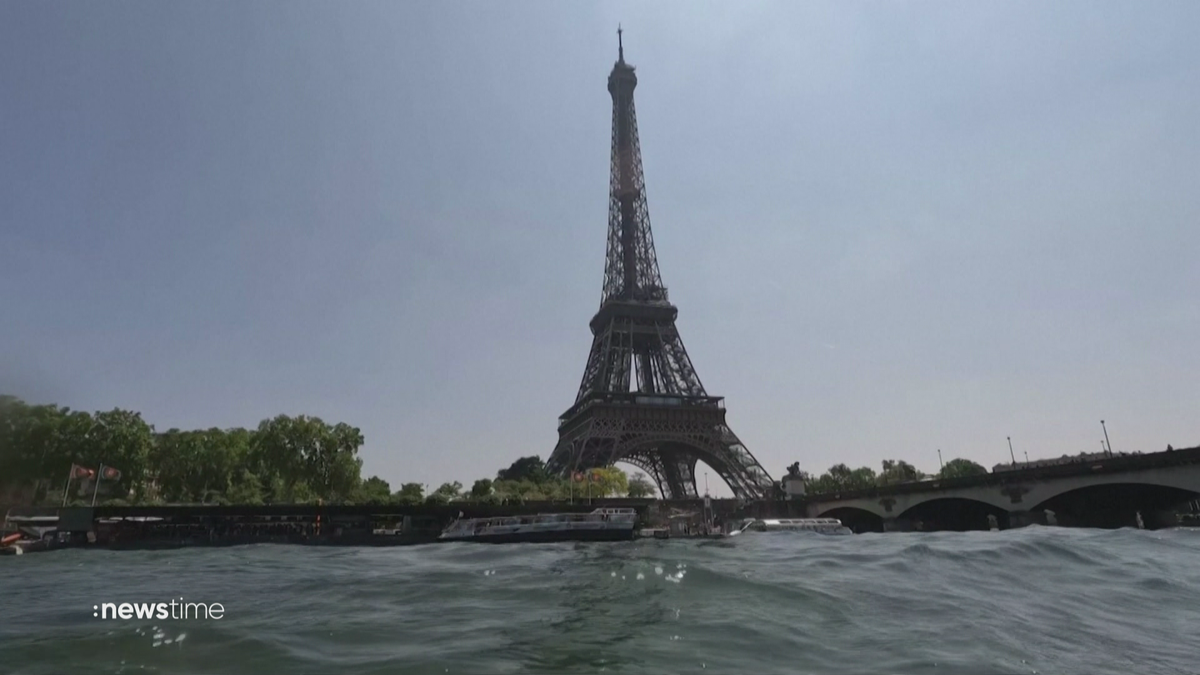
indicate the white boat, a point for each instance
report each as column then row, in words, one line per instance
column 603, row 524
column 818, row 525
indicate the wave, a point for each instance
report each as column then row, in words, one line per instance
column 1019, row 601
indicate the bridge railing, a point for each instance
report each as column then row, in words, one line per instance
column 1113, row 464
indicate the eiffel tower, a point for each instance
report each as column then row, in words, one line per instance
column 640, row 401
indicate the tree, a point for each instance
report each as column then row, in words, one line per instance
column 285, row 459
column 245, row 488
column 841, row 478
column 280, row 445
column 526, row 468
column 198, row 466
column 640, row 486
column 898, row 471
column 606, row 482
column 450, row 491
column 123, row 440
column 175, row 458
column 409, row 493
column 506, row 489
column 302, row 458
column 32, row 443
column 373, row 490
column 960, row 468
column 481, row 488
column 334, row 469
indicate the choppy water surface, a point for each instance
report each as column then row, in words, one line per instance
column 1035, row 600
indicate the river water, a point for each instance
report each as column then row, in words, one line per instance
column 1033, row 600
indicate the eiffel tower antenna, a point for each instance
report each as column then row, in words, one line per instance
column 640, row 400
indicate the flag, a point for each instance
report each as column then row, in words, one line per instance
column 81, row 472
column 111, row 473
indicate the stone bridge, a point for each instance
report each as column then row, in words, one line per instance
column 1109, row 492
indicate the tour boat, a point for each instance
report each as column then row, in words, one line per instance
column 603, row 524
column 818, row 525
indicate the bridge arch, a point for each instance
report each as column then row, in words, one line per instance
column 859, row 520
column 1114, row 504
column 954, row 513
column 688, row 450
column 1186, row 478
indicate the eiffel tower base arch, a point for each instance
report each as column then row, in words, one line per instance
column 664, row 437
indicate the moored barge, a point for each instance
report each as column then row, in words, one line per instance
column 603, row 524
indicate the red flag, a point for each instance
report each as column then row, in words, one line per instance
column 111, row 473
column 81, row 471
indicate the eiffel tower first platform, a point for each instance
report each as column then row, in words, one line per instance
column 640, row 401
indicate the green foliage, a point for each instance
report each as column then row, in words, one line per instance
column 287, row 459
column 959, row 468
column 481, row 488
column 373, row 490
column 448, row 491
column 640, row 486
column 612, row 482
column 409, row 493
column 526, row 468
column 202, row 466
column 536, row 485
column 841, row 478
column 898, row 471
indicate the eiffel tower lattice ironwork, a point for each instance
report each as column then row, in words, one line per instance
column 640, row 400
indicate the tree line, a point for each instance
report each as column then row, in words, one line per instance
column 841, row 478
column 286, row 459
column 299, row 459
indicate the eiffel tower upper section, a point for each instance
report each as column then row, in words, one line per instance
column 633, row 285
column 631, row 268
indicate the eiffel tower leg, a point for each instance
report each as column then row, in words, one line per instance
column 739, row 468
column 680, row 471
column 652, row 465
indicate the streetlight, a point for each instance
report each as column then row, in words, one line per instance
column 1106, row 437
column 1010, row 451
column 940, row 462
column 706, row 483
column 1026, row 456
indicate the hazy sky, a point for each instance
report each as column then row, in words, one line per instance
column 889, row 228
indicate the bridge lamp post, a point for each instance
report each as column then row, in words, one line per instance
column 1010, row 451
column 940, row 462
column 1106, row 437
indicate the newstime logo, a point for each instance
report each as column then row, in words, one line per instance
column 175, row 609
